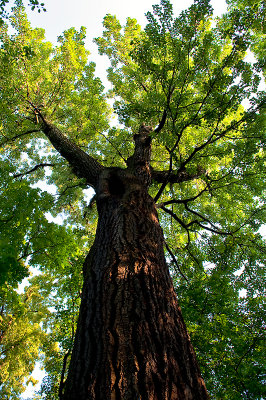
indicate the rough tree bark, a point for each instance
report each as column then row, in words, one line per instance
column 131, row 341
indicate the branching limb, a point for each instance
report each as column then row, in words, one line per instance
column 160, row 191
column 13, row 138
column 114, row 147
column 69, row 188
column 42, row 165
column 184, row 201
column 162, row 122
column 84, row 166
column 214, row 136
column 174, row 176
column 170, row 176
column 175, row 261
column 173, row 215
column 212, row 229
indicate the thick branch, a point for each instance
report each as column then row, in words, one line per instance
column 139, row 162
column 174, row 177
column 162, row 122
column 84, row 166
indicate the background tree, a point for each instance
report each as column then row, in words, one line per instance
column 187, row 76
column 21, row 337
column 35, row 4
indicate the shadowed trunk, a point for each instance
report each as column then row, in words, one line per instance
column 131, row 341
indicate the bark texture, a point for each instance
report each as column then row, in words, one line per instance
column 84, row 166
column 131, row 341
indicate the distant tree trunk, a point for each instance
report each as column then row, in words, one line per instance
column 131, row 340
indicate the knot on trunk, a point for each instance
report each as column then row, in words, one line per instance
column 145, row 129
column 116, row 183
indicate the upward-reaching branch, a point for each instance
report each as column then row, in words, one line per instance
column 84, row 166
column 139, row 162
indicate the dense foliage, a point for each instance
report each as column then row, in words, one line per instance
column 4, row 4
column 191, row 73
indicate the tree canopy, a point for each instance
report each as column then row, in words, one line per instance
column 190, row 78
column 34, row 4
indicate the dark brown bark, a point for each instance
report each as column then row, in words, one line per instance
column 84, row 166
column 131, row 341
column 175, row 176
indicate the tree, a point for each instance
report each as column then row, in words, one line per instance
column 20, row 339
column 4, row 3
column 197, row 159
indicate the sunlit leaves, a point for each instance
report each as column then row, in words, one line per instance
column 195, row 70
column 20, row 339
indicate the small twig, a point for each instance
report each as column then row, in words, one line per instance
column 116, row 149
column 179, row 221
column 42, row 165
column 18, row 136
column 175, row 261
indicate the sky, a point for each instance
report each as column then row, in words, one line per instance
column 63, row 14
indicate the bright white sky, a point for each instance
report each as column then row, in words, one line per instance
column 63, row 14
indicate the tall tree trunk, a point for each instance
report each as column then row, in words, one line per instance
column 131, row 341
